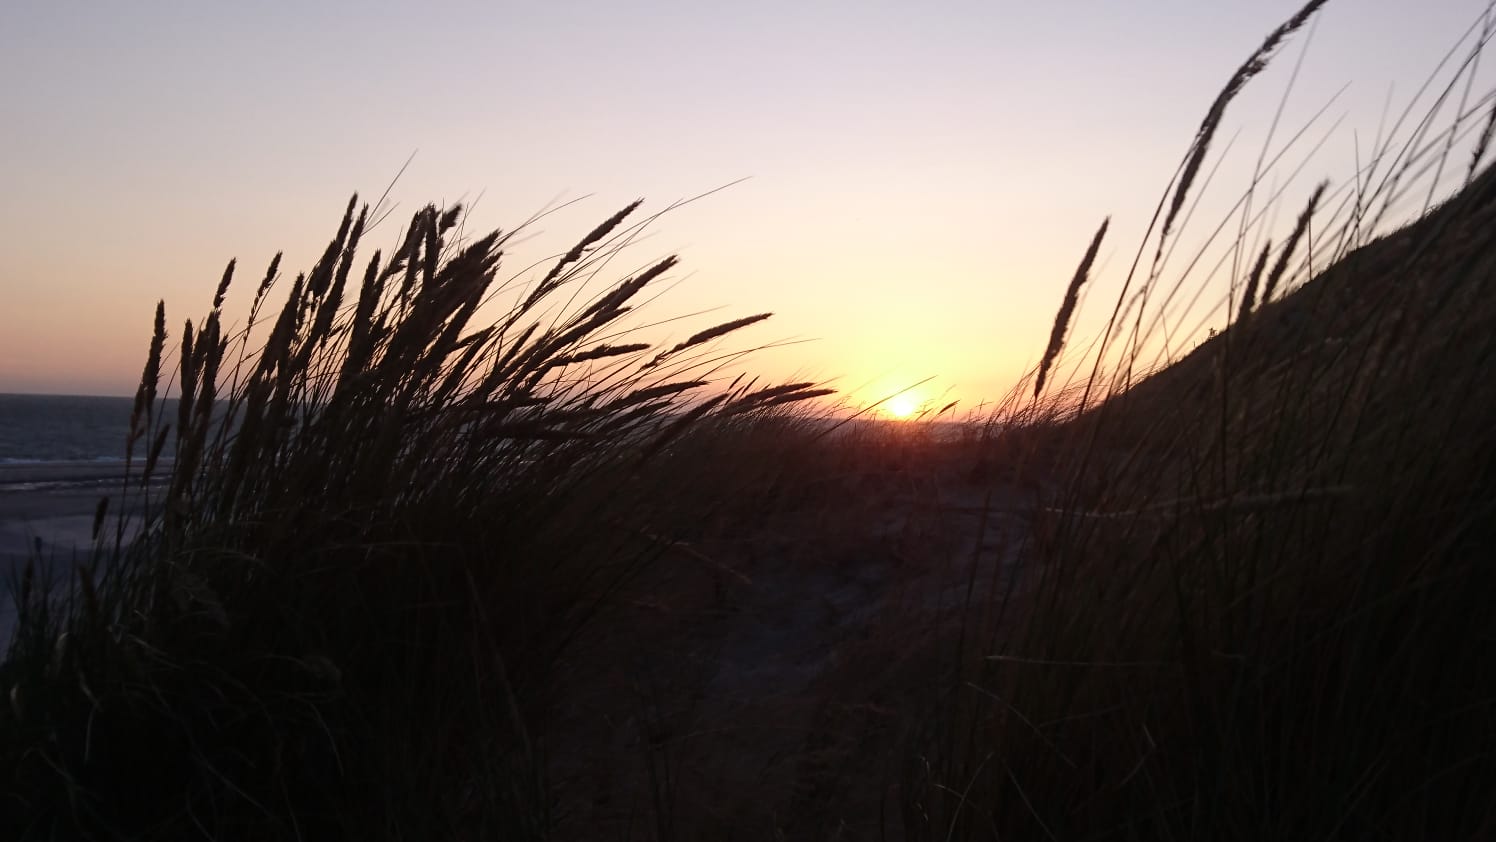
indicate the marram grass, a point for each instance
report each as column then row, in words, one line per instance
column 384, row 520
column 1248, row 595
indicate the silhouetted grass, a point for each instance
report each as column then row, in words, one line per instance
column 1256, row 605
column 381, row 527
column 418, row 573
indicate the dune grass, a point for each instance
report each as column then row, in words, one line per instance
column 417, row 572
column 382, row 523
column 1256, row 605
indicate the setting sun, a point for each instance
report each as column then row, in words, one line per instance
column 903, row 406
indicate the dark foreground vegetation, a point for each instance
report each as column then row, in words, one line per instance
column 417, row 577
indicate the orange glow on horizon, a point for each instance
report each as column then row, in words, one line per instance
column 892, row 214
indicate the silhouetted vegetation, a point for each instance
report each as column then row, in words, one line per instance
column 414, row 573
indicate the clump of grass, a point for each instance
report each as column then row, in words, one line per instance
column 385, row 518
column 1253, row 606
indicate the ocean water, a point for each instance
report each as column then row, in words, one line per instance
column 37, row 430
column 66, row 428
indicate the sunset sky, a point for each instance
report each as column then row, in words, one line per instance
column 922, row 178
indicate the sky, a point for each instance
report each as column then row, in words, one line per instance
column 921, row 179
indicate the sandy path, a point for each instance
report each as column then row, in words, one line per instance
column 775, row 705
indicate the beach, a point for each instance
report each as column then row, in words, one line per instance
column 54, row 502
column 47, row 512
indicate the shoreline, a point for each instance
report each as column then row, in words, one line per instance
column 47, row 513
column 54, row 502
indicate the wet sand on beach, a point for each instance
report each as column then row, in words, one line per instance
column 46, row 513
column 54, row 502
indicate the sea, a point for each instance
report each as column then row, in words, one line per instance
column 64, row 428
column 41, row 429
column 59, row 454
column 63, row 443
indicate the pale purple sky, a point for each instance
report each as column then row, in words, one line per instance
column 924, row 177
